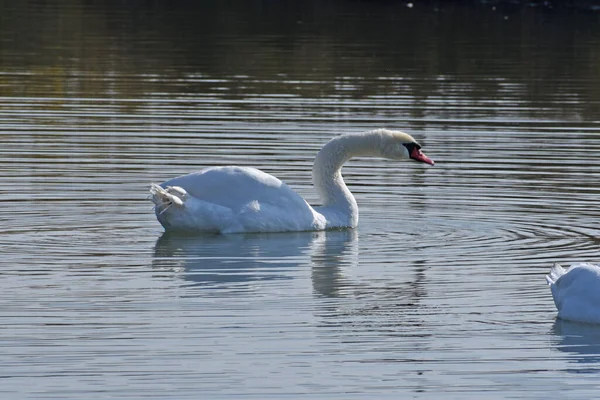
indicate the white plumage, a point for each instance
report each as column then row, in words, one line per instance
column 576, row 292
column 243, row 199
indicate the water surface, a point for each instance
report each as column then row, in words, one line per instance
column 440, row 291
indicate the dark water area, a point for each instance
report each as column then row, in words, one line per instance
column 438, row 294
column 73, row 47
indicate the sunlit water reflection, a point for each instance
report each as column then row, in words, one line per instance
column 440, row 291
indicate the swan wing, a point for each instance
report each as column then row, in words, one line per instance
column 236, row 187
column 236, row 199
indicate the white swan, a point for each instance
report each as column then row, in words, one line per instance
column 576, row 292
column 243, row 199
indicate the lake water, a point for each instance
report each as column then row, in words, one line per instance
column 438, row 294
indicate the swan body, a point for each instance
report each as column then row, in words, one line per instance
column 243, row 199
column 576, row 292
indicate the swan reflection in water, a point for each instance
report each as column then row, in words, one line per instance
column 234, row 261
column 581, row 342
column 229, row 260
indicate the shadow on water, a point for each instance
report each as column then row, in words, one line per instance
column 581, row 342
column 247, row 258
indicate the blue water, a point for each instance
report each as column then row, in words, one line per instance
column 440, row 291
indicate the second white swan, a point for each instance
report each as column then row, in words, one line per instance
column 576, row 292
column 244, row 199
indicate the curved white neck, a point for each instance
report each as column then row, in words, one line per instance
column 339, row 206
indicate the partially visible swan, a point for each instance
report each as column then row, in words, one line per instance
column 244, row 199
column 576, row 292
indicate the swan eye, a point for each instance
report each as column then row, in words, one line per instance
column 412, row 146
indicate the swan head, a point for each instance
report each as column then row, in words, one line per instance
column 399, row 145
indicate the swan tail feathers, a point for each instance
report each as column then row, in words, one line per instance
column 555, row 272
column 165, row 198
